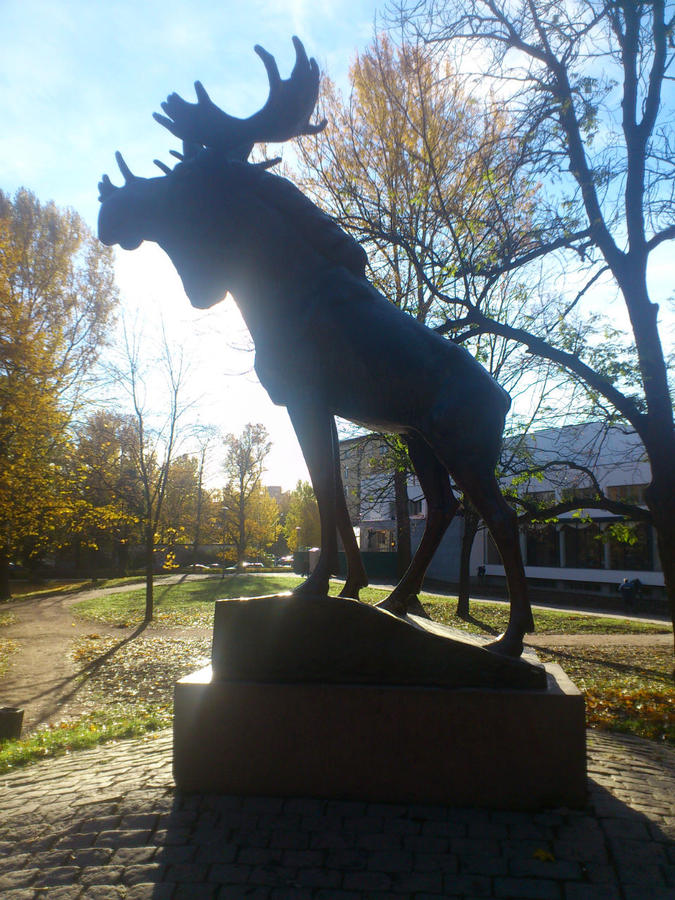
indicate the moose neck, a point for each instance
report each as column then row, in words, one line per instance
column 268, row 277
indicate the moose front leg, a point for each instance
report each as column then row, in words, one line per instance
column 356, row 573
column 313, row 426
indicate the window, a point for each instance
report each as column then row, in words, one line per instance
column 584, row 548
column 541, row 496
column 637, row 556
column 543, row 545
column 578, row 493
column 630, row 493
column 414, row 507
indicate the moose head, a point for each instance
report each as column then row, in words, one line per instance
column 185, row 210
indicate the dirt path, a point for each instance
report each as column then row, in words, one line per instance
column 43, row 678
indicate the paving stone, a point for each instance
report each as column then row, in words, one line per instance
column 467, row 885
column 194, row 891
column 103, row 892
column 182, row 872
column 289, row 894
column 56, row 876
column 367, row 881
column 410, row 883
column 229, row 874
column 643, row 892
column 425, row 843
column 150, row 892
column 435, row 862
column 213, row 853
column 333, row 894
column 18, row 879
column 319, row 878
column 96, row 875
column 583, row 891
column 536, row 868
column 145, row 873
column 483, row 864
column 128, row 856
column 65, row 892
column 526, row 888
column 122, row 839
column 373, row 842
column 243, row 892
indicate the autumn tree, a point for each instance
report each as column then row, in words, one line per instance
column 584, row 84
column 107, row 495
column 248, row 518
column 56, row 299
column 416, row 168
column 302, row 527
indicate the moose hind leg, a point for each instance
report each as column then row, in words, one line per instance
column 481, row 486
column 356, row 573
column 441, row 507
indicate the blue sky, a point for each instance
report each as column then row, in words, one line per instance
column 81, row 79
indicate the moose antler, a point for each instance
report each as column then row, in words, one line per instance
column 285, row 115
column 105, row 185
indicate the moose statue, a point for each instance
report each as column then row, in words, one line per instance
column 327, row 343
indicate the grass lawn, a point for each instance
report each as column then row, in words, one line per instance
column 127, row 684
column 191, row 603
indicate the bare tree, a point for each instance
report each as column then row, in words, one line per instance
column 584, row 85
column 157, row 411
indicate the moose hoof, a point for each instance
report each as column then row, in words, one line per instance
column 311, row 588
column 351, row 590
column 416, row 608
column 393, row 605
column 507, row 645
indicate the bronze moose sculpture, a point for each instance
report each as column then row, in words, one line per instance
column 327, row 343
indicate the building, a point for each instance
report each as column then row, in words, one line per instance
column 370, row 499
column 580, row 551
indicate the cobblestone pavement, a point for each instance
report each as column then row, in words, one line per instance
column 107, row 823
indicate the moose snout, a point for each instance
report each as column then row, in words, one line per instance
column 114, row 228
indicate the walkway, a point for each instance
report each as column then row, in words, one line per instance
column 107, row 823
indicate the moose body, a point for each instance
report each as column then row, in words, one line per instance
column 327, row 343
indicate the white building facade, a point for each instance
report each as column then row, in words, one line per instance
column 579, row 551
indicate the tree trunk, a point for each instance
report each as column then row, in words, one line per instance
column 241, row 537
column 660, row 496
column 149, row 552
column 471, row 521
column 5, row 590
column 198, row 517
column 403, row 548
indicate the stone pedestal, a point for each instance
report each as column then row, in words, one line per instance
column 499, row 747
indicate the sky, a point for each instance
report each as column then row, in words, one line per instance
column 80, row 79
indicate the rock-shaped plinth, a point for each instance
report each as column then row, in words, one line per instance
column 332, row 640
